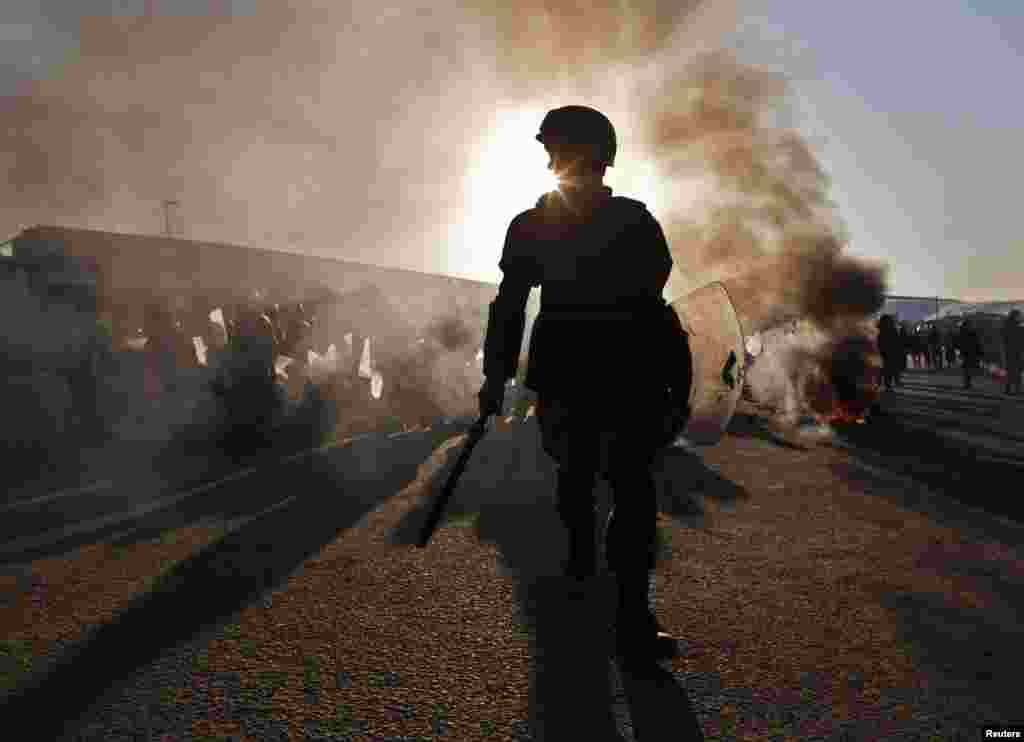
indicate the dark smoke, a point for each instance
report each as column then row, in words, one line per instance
column 839, row 373
column 766, row 223
column 452, row 333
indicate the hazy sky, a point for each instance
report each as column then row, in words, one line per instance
column 915, row 115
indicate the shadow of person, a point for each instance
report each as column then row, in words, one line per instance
column 682, row 479
column 333, row 492
column 892, row 449
column 510, row 484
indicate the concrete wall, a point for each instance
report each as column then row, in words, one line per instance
column 128, row 264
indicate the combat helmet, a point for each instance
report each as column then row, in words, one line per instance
column 578, row 126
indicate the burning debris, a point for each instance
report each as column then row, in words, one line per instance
column 765, row 227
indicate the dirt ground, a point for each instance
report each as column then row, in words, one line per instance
column 841, row 586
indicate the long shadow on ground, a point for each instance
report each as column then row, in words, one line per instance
column 333, row 491
column 890, row 446
column 197, row 456
column 510, row 484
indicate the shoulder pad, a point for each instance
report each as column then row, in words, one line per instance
column 545, row 199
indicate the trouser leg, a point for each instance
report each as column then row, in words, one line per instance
column 575, row 505
column 639, row 636
column 632, row 525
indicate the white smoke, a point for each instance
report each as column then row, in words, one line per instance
column 779, row 374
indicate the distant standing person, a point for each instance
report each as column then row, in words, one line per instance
column 1013, row 349
column 949, row 342
column 904, row 352
column 969, row 344
column 161, row 349
column 891, row 349
column 935, row 347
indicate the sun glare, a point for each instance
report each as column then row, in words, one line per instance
column 510, row 175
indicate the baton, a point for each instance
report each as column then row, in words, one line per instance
column 476, row 432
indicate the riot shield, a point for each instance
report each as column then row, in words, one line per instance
column 717, row 346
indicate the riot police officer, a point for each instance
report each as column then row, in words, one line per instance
column 602, row 263
column 1013, row 349
column 971, row 350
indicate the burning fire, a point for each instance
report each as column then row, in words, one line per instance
column 844, row 415
column 853, row 411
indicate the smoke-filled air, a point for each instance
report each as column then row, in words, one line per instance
column 403, row 136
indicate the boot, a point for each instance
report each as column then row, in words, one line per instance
column 640, row 639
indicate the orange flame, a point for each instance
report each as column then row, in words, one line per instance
column 846, row 413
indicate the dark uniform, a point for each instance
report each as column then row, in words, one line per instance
column 969, row 345
column 904, row 352
column 602, row 263
column 935, row 347
column 1013, row 348
column 163, row 345
column 602, row 281
column 251, row 395
column 891, row 349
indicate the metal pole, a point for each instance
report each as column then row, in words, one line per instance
column 167, row 215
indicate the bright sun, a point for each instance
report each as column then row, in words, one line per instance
column 510, row 175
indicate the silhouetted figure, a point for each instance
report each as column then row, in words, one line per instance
column 969, row 345
column 248, row 385
column 83, row 374
column 163, row 349
column 904, row 352
column 935, row 347
column 1013, row 350
column 891, row 349
column 602, row 262
column 949, row 342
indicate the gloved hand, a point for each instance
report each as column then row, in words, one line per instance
column 492, row 397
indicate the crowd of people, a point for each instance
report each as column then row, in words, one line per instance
column 262, row 354
column 84, row 373
column 240, row 350
column 928, row 346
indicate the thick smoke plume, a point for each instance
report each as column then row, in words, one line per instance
column 766, row 228
column 761, row 221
